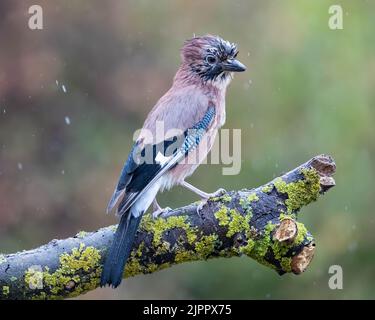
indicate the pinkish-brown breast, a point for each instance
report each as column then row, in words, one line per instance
column 178, row 110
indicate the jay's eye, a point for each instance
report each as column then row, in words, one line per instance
column 211, row 59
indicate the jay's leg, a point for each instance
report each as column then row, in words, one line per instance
column 202, row 194
column 157, row 209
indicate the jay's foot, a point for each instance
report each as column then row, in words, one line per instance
column 204, row 195
column 204, row 200
column 158, row 210
column 217, row 193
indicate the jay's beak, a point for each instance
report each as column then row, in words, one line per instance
column 233, row 65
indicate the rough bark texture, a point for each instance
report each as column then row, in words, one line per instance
column 260, row 223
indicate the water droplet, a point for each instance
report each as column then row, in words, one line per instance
column 67, row 120
column 20, row 166
column 63, row 88
column 57, row 82
column 62, row 172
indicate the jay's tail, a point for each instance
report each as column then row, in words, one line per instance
column 120, row 249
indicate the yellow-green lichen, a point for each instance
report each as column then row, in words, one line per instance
column 238, row 223
column 286, row 264
column 81, row 234
column 139, row 251
column 245, row 202
column 261, row 246
column 202, row 245
column 82, row 258
column 163, row 247
column 235, row 221
column 206, row 246
column 284, row 216
column 300, row 192
column 248, row 248
column 5, row 291
column 222, row 216
column 246, row 206
column 133, row 265
column 301, row 233
column 159, row 226
column 152, row 267
column 185, row 255
column 267, row 188
column 226, row 198
column 164, row 265
column 258, row 247
column 34, row 278
column 252, row 197
column 202, row 249
column 77, row 273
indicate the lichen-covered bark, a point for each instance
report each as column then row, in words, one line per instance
column 259, row 223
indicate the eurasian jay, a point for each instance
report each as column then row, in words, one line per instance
column 191, row 113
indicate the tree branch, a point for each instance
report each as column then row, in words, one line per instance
column 260, row 223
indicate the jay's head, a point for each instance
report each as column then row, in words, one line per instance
column 211, row 58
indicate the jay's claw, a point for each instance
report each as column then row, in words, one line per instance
column 217, row 193
column 201, row 205
column 159, row 212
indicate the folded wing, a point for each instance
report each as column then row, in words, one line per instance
column 138, row 175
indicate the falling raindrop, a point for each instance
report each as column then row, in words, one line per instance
column 20, row 166
column 63, row 88
column 67, row 120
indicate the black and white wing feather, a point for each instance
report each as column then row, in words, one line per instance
column 137, row 178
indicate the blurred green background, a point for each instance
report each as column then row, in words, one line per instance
column 308, row 90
